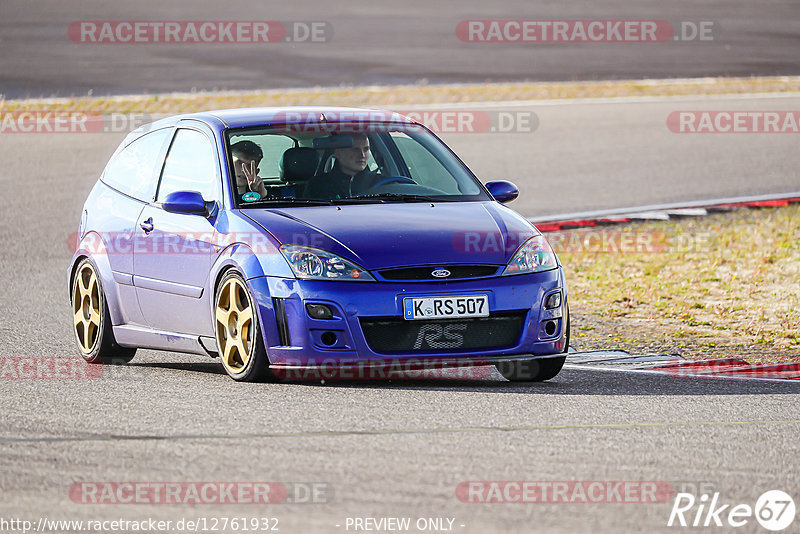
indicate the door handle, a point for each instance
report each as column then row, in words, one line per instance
column 147, row 225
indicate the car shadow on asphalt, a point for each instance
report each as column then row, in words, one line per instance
column 583, row 382
column 570, row 381
column 213, row 367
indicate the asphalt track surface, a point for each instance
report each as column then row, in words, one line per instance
column 370, row 42
column 399, row 448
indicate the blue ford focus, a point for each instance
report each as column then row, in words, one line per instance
column 285, row 239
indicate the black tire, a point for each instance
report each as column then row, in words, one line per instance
column 96, row 342
column 535, row 370
column 255, row 368
column 531, row 370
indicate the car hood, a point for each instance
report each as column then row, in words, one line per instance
column 378, row 236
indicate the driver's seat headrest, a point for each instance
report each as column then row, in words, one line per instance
column 299, row 164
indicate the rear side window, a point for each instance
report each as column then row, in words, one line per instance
column 134, row 169
column 191, row 166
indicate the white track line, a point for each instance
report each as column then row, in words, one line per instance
column 599, row 100
column 579, row 366
column 621, row 212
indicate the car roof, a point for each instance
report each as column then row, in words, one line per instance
column 266, row 116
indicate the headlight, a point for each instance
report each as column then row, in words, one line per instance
column 534, row 255
column 315, row 264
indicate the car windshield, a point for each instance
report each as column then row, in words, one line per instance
column 341, row 163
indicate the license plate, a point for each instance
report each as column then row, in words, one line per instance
column 445, row 307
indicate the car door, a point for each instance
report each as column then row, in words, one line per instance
column 131, row 176
column 175, row 251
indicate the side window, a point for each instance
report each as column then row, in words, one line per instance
column 134, row 169
column 191, row 166
column 273, row 147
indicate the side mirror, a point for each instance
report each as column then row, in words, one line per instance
column 503, row 191
column 188, row 202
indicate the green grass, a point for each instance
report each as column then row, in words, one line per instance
column 728, row 282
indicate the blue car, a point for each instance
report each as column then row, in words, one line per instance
column 283, row 240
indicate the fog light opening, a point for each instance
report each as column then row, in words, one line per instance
column 550, row 328
column 328, row 339
column 319, row 311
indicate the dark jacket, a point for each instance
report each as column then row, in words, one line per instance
column 336, row 184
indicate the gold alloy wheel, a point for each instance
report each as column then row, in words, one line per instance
column 234, row 326
column 86, row 308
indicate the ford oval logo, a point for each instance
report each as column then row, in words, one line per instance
column 441, row 273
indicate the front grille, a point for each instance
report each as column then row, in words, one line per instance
column 390, row 335
column 426, row 273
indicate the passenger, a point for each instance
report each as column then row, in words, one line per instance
column 246, row 158
column 349, row 175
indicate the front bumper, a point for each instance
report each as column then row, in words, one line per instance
column 294, row 339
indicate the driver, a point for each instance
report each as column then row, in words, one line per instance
column 349, row 174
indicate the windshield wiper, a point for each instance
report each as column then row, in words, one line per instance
column 392, row 197
column 285, row 202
